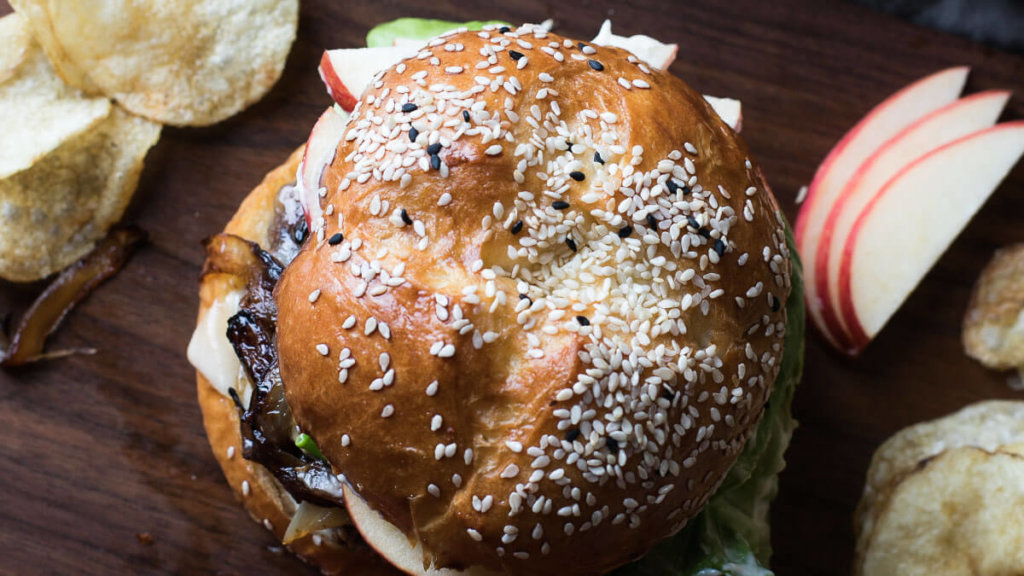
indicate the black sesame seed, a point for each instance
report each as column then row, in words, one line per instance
column 517, row 227
column 572, row 435
column 336, row 239
column 465, row 115
column 776, row 304
column 595, row 65
column 613, row 445
column 434, row 148
column 652, row 222
column 570, row 243
column 704, row 232
column 560, row 205
column 719, row 247
column 568, row 144
column 524, row 297
column 435, row 161
column 413, row 134
column 234, row 397
column 668, row 394
column 597, row 158
column 625, row 231
column 405, row 218
column 686, row 190
column 515, row 55
column 672, row 186
column 577, row 175
column 583, row 320
column 581, row 45
column 504, row 29
column 409, row 107
column 692, row 222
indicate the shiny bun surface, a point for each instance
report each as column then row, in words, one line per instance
column 544, row 307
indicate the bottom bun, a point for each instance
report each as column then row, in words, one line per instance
column 334, row 551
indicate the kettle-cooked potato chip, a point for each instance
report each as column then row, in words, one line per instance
column 995, row 425
column 993, row 330
column 38, row 111
column 959, row 513
column 52, row 213
column 187, row 62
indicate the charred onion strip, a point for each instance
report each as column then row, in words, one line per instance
column 70, row 287
column 267, row 427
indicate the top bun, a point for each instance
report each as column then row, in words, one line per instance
column 557, row 309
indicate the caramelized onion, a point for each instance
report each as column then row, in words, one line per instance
column 69, row 288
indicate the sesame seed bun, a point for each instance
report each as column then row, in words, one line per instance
column 556, row 311
column 263, row 496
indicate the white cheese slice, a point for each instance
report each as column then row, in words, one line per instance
column 212, row 354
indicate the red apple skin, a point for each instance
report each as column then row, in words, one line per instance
column 816, row 305
column 837, row 150
column 836, row 322
column 335, row 87
column 860, row 336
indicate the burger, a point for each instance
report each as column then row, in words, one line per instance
column 530, row 309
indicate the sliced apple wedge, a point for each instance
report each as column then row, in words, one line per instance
column 651, row 51
column 913, row 220
column 391, row 543
column 346, row 72
column 886, row 120
column 952, row 122
column 729, row 110
column 320, row 149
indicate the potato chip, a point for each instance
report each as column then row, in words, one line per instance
column 52, row 213
column 993, row 330
column 992, row 425
column 188, row 62
column 960, row 513
column 37, row 110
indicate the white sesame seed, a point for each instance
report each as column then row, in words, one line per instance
column 474, row 534
column 231, row 452
column 322, row 349
column 493, row 150
column 510, row 471
column 345, row 440
column 246, row 489
column 432, row 388
column 388, row 411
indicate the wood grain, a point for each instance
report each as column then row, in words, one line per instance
column 98, row 450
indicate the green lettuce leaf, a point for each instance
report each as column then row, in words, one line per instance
column 731, row 537
column 417, row 29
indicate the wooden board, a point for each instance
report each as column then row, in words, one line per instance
column 98, row 451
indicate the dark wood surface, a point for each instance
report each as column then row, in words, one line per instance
column 99, row 451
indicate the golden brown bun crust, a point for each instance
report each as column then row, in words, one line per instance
column 381, row 428
column 265, row 498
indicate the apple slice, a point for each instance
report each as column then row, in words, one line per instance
column 392, row 544
column 729, row 110
column 346, row 72
column 320, row 149
column 886, row 120
column 941, row 127
column 914, row 218
column 651, row 51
